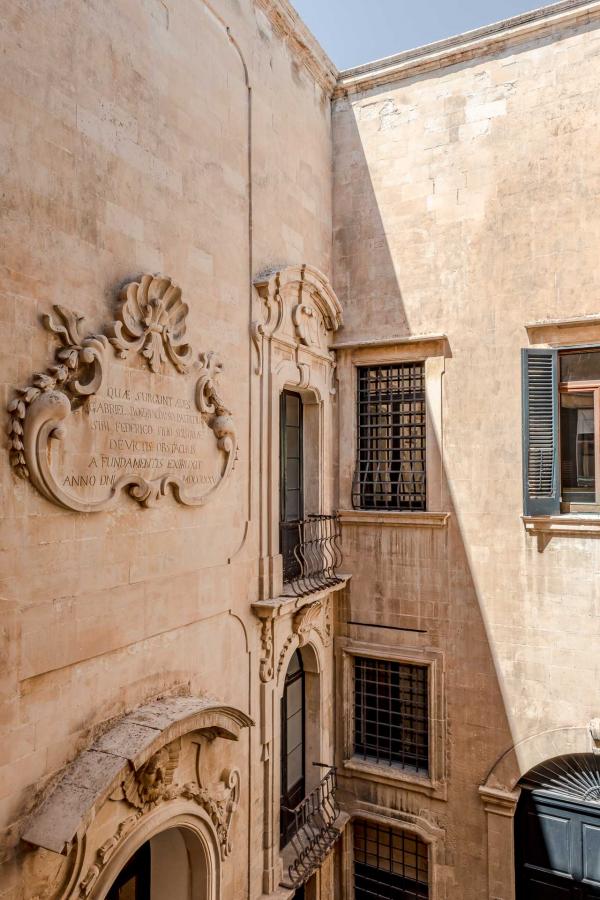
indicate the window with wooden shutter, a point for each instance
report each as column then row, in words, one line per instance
column 541, row 488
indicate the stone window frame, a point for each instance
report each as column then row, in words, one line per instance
column 430, row 350
column 434, row 784
column 432, row 835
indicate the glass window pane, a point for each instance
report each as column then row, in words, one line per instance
column 292, row 410
column 292, row 440
column 294, row 767
column 294, row 697
column 294, row 730
column 583, row 366
column 578, row 447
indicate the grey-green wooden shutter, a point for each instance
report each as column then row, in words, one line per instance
column 541, row 482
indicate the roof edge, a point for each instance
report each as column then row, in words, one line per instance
column 469, row 45
column 288, row 24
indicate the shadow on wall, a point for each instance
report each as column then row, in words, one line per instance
column 414, row 587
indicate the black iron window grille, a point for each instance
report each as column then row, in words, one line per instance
column 391, row 713
column 388, row 864
column 390, row 465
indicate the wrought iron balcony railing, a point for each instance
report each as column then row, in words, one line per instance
column 311, row 554
column 312, row 829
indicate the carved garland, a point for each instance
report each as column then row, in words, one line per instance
column 153, row 784
column 151, row 320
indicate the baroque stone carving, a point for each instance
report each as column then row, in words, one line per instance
column 313, row 617
column 220, row 804
column 153, row 782
column 157, row 433
column 305, row 620
column 151, row 321
column 104, row 854
column 266, row 643
column 299, row 306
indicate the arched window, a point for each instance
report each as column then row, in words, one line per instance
column 557, row 830
column 292, row 745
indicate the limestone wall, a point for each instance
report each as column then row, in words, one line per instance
column 465, row 204
column 127, row 128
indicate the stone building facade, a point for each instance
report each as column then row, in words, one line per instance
column 299, row 592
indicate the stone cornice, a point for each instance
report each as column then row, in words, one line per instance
column 469, row 45
column 286, row 22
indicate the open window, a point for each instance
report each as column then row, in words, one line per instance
column 561, row 439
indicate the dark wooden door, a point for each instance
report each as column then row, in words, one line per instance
column 292, row 746
column 557, row 848
column 291, row 481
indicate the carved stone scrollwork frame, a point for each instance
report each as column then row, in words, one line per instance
column 150, row 321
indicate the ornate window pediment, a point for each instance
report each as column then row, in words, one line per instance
column 300, row 309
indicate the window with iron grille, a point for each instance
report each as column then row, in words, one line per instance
column 391, row 713
column 390, row 465
column 388, row 864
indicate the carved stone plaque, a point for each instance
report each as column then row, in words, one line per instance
column 96, row 423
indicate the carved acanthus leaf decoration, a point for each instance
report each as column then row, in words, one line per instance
column 76, row 374
column 151, row 321
column 220, row 804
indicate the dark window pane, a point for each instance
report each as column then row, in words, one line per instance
column 292, row 409
column 578, row 447
column 294, row 730
column 390, row 465
column 294, row 767
column 580, row 366
column 295, row 697
column 389, row 865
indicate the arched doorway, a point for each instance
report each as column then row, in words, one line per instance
column 292, row 745
column 169, row 866
column 557, row 830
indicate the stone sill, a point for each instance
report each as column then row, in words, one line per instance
column 395, row 519
column 395, row 777
column 564, row 525
column 279, row 606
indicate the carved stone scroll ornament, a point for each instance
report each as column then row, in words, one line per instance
column 153, row 784
column 151, row 321
column 266, row 644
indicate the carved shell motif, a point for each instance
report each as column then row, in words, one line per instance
column 151, row 320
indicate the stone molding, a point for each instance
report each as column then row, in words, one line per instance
column 394, row 519
column 562, row 525
column 150, row 321
column 286, row 23
column 315, row 615
column 134, row 760
column 467, row 46
column 310, row 302
column 565, row 332
column 438, row 342
column 296, row 315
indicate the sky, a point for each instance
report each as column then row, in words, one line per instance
column 359, row 31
